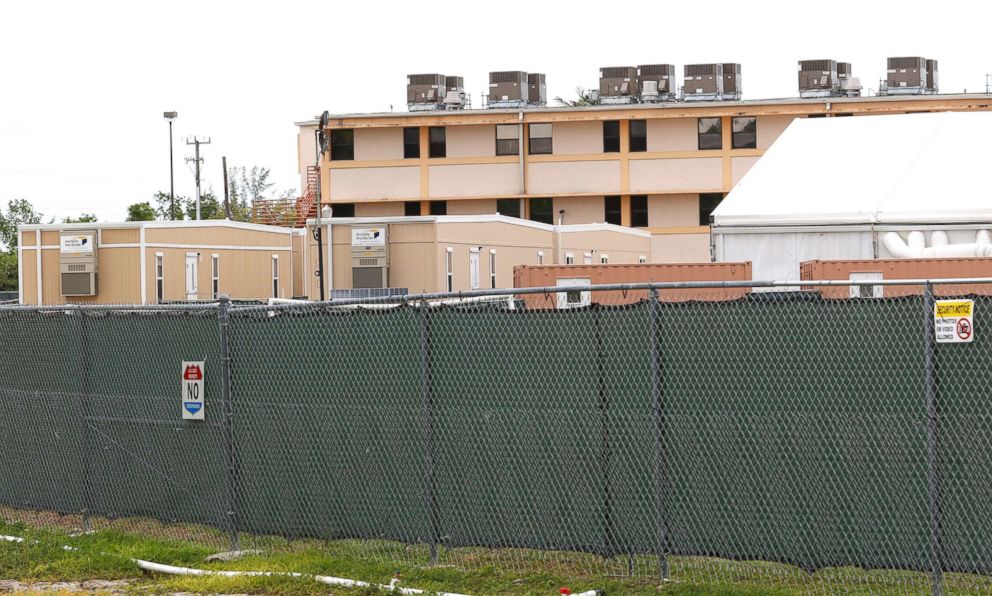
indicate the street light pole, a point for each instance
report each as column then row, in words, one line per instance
column 170, row 116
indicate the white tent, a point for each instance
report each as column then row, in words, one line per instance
column 833, row 188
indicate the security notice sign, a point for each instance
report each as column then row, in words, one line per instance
column 954, row 321
column 192, row 376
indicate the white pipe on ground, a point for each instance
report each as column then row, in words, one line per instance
column 324, row 579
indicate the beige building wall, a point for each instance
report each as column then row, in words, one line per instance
column 378, row 143
column 473, row 180
column 576, row 138
column 582, row 177
column 681, row 248
column 581, row 210
column 678, row 210
column 379, row 209
column 514, row 245
column 355, row 184
column 770, row 127
column 618, row 246
column 476, row 207
column 673, row 134
column 470, row 141
column 674, row 175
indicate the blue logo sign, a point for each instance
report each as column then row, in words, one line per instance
column 192, row 406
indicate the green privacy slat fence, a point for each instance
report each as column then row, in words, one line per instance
column 780, row 427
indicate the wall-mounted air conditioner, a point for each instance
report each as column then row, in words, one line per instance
column 369, row 257
column 78, row 263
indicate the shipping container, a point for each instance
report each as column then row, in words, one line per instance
column 869, row 269
column 535, row 276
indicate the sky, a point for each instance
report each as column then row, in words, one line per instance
column 83, row 85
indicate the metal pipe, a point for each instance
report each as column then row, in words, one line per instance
column 680, row 285
column 933, row 443
column 657, row 408
column 230, row 461
column 427, row 405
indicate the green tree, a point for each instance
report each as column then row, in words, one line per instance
column 140, row 212
column 245, row 186
column 84, row 218
column 19, row 211
column 8, row 271
column 210, row 207
column 586, row 97
column 164, row 208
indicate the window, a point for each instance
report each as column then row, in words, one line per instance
column 342, row 145
column 710, row 133
column 492, row 269
column 343, row 210
column 507, row 139
column 437, row 148
column 611, row 136
column 508, row 207
column 540, row 139
column 569, row 258
column 159, row 278
column 642, row 259
column 707, row 203
column 449, row 273
column 638, row 136
column 745, row 133
column 613, row 210
column 439, row 207
column 215, row 276
column 639, row 211
column 411, row 208
column 542, row 210
column 411, row 142
column 275, row 276
column 604, row 259
column 540, row 257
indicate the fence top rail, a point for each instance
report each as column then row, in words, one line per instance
column 625, row 287
column 121, row 308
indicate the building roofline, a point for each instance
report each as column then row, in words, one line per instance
column 484, row 218
column 136, row 225
column 730, row 105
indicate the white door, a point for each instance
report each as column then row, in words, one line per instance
column 587, row 258
column 191, row 266
column 473, row 268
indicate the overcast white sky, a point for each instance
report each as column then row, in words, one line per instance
column 84, row 84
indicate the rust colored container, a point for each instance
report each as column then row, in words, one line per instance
column 535, row 276
column 901, row 269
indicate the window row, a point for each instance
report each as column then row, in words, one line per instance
column 542, row 209
column 192, row 277
column 539, row 141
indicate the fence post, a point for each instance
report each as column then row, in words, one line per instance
column 223, row 320
column 427, row 410
column 604, row 432
column 654, row 330
column 933, row 443
column 84, row 352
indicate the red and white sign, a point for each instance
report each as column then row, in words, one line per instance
column 192, row 387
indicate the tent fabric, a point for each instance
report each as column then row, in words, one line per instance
column 890, row 169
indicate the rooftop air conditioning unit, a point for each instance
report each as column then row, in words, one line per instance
column 657, row 82
column 508, row 89
column 537, row 89
column 78, row 264
column 369, row 257
column 731, row 81
column 818, row 78
column 425, row 92
column 618, row 85
column 455, row 97
column 906, row 76
column 703, row 82
column 932, row 85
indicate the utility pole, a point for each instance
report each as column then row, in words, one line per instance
column 227, row 197
column 196, row 160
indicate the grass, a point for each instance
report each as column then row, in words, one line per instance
column 107, row 553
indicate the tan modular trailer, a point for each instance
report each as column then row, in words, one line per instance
column 154, row 262
column 871, row 269
column 581, row 275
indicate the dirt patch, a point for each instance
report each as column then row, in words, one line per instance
column 94, row 585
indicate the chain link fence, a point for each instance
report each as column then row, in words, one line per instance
column 816, row 441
